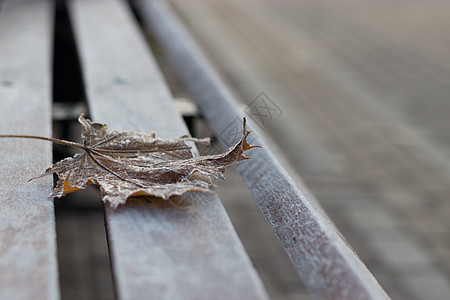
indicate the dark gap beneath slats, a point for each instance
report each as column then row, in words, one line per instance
column 84, row 267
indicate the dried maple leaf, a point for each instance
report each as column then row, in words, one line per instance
column 128, row 164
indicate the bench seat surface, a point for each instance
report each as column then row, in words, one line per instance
column 28, row 263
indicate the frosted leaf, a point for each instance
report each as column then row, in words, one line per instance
column 127, row 164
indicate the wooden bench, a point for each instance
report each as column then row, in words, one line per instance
column 156, row 249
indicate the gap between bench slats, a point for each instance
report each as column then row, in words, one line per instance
column 157, row 249
column 28, row 261
column 327, row 265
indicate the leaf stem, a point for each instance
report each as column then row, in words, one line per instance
column 53, row 140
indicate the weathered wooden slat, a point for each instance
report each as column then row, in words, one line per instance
column 28, row 262
column 158, row 249
column 327, row 265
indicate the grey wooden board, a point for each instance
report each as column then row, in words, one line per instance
column 160, row 249
column 28, row 264
column 326, row 263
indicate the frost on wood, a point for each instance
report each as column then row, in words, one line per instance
column 130, row 164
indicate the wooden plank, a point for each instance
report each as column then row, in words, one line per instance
column 157, row 249
column 28, row 262
column 327, row 265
